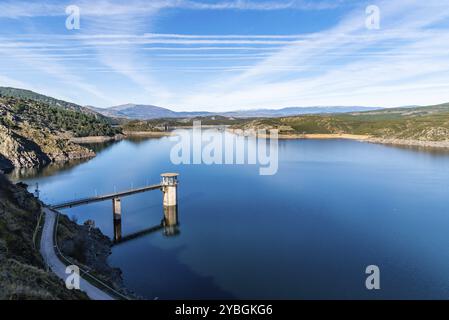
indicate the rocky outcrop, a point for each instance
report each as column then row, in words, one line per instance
column 87, row 247
column 410, row 142
column 17, row 151
column 27, row 147
column 37, row 132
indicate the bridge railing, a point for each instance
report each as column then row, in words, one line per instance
column 98, row 198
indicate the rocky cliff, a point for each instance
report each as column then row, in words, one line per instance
column 88, row 248
column 36, row 148
column 28, row 139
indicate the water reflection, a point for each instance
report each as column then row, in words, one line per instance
column 140, row 140
column 57, row 167
column 19, row 174
column 117, row 230
column 97, row 147
column 425, row 149
column 169, row 224
column 170, row 221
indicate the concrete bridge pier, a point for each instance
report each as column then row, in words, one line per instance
column 170, row 221
column 117, row 230
column 117, row 208
column 117, row 217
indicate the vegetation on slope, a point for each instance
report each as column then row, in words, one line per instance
column 34, row 133
column 158, row 125
column 30, row 137
column 422, row 123
column 23, row 274
column 30, row 95
column 16, row 111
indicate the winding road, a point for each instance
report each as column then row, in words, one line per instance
column 47, row 249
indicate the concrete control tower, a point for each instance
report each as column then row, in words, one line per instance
column 169, row 183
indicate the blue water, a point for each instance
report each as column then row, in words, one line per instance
column 333, row 208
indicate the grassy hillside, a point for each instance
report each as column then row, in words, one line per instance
column 421, row 123
column 22, row 271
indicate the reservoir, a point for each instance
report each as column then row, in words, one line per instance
column 333, row 208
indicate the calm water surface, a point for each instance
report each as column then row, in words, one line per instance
column 333, row 208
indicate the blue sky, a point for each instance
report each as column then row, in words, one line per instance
column 227, row 55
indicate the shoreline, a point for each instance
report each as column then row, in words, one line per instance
column 362, row 138
column 324, row 136
column 297, row 136
column 442, row 145
column 118, row 137
column 150, row 134
column 94, row 139
column 282, row 136
column 421, row 144
column 371, row 139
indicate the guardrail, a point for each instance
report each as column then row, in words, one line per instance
column 36, row 230
column 97, row 282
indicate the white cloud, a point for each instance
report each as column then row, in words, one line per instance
column 404, row 56
column 405, row 62
column 52, row 68
column 16, row 9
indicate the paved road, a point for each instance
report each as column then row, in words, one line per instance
column 47, row 249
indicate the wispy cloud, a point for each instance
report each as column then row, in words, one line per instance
column 125, row 58
column 405, row 62
column 260, row 5
column 387, row 61
column 16, row 9
column 55, row 69
column 37, row 51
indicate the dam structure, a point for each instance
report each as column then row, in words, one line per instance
column 169, row 188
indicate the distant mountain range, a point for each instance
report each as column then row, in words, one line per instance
column 136, row 111
column 148, row 112
column 36, row 129
column 293, row 111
